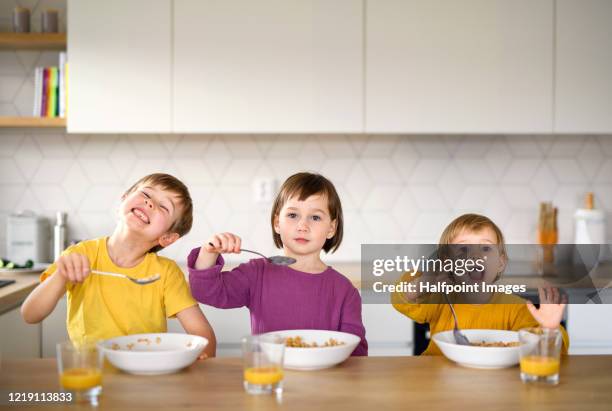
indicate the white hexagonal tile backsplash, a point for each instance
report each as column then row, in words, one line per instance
column 86, row 175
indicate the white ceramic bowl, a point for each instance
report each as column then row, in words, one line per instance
column 480, row 357
column 152, row 354
column 317, row 358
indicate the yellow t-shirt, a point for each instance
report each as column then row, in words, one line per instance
column 504, row 312
column 104, row 307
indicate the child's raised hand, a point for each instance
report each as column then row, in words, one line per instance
column 552, row 304
column 223, row 243
column 73, row 267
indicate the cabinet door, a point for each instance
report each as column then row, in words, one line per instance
column 54, row 329
column 583, row 66
column 229, row 326
column 17, row 338
column 388, row 332
column 480, row 66
column 119, row 66
column 268, row 66
column 588, row 327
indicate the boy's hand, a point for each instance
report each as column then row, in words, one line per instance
column 552, row 304
column 223, row 243
column 73, row 267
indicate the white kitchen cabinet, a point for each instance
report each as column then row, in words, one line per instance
column 478, row 66
column 287, row 66
column 388, row 332
column 583, row 80
column 229, row 325
column 17, row 338
column 54, row 329
column 589, row 327
column 119, row 55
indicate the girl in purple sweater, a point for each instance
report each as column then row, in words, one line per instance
column 306, row 218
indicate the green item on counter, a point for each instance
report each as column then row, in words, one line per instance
column 11, row 265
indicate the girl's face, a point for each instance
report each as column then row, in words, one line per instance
column 482, row 245
column 150, row 211
column 304, row 226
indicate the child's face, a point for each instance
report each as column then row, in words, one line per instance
column 304, row 226
column 150, row 211
column 483, row 245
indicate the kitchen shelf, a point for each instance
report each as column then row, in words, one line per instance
column 32, row 41
column 34, row 122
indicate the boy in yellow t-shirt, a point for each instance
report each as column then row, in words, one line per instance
column 496, row 311
column 154, row 213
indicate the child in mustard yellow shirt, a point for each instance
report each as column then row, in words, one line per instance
column 154, row 213
column 496, row 311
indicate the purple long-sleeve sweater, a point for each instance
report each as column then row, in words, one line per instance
column 281, row 298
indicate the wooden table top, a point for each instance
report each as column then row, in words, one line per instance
column 367, row 383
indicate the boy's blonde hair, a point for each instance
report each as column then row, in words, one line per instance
column 474, row 223
column 184, row 221
column 304, row 185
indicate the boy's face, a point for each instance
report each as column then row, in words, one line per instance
column 482, row 245
column 304, row 226
column 150, row 211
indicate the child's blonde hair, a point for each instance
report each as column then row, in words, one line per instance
column 304, row 185
column 474, row 223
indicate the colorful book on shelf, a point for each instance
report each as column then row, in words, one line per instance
column 50, row 92
column 38, row 94
column 57, row 93
column 62, row 85
column 44, row 96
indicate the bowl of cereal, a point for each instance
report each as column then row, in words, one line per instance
column 316, row 349
column 153, row 354
column 488, row 349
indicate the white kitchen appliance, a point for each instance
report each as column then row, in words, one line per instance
column 28, row 237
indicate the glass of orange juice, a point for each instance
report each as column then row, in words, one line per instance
column 263, row 364
column 540, row 354
column 80, row 370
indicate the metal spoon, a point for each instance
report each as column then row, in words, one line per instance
column 460, row 338
column 140, row 281
column 275, row 259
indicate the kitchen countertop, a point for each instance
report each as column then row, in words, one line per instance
column 13, row 295
column 361, row 383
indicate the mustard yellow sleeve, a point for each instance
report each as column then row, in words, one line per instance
column 177, row 295
column 524, row 319
column 421, row 313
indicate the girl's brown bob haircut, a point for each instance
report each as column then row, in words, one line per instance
column 184, row 221
column 303, row 185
